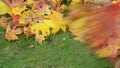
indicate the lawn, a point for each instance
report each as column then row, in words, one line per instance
column 59, row 51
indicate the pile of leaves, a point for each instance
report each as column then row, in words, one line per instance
column 37, row 18
column 93, row 21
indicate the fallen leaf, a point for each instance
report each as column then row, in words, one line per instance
column 31, row 46
column 3, row 8
column 39, row 38
column 3, row 22
column 11, row 34
column 27, row 32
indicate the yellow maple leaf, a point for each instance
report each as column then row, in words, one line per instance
column 17, row 10
column 29, row 1
column 75, row 1
column 3, row 8
column 57, row 19
column 55, row 1
column 40, row 27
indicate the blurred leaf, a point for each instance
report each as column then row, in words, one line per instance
column 3, row 8
column 99, row 27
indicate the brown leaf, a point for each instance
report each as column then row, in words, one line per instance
column 56, row 6
column 3, row 22
column 11, row 34
column 39, row 4
column 27, row 32
column 14, row 3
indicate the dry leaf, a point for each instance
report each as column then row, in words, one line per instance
column 27, row 32
column 39, row 38
column 11, row 34
column 31, row 46
column 3, row 22
column 41, row 20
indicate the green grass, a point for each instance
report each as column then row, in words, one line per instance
column 54, row 53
